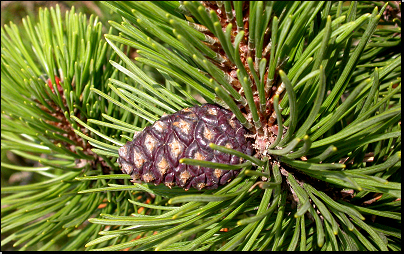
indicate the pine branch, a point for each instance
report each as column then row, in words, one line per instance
column 316, row 87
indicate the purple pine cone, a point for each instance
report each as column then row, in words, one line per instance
column 154, row 153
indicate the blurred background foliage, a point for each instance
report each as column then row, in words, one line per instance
column 16, row 10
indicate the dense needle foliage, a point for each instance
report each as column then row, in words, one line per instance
column 325, row 76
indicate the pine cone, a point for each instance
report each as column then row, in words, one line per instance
column 153, row 155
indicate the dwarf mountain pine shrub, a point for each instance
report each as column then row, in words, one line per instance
column 315, row 87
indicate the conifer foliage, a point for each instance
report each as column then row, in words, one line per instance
column 273, row 126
